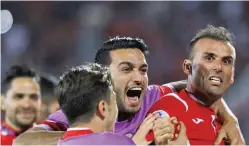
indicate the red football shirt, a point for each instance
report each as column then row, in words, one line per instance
column 201, row 121
column 8, row 134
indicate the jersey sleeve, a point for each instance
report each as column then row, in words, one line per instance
column 171, row 103
column 165, row 89
column 57, row 121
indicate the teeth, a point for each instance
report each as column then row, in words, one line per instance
column 139, row 89
column 216, row 79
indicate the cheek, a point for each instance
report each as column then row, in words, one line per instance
column 11, row 105
column 229, row 75
column 200, row 70
column 146, row 79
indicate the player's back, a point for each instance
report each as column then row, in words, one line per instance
column 106, row 138
column 200, row 121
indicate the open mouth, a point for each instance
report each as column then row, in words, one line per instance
column 133, row 95
column 215, row 80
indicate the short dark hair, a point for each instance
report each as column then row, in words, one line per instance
column 103, row 54
column 216, row 33
column 80, row 90
column 16, row 71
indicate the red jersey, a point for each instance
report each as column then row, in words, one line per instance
column 8, row 134
column 201, row 121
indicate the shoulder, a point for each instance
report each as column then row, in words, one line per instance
column 153, row 91
column 117, row 138
column 106, row 138
column 171, row 101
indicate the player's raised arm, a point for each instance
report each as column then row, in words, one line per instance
column 230, row 127
column 38, row 136
column 178, row 85
column 46, row 133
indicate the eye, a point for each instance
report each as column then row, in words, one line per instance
column 126, row 69
column 34, row 97
column 18, row 96
column 144, row 70
column 209, row 58
column 227, row 61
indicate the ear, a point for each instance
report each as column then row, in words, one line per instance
column 232, row 77
column 102, row 109
column 187, row 67
column 2, row 102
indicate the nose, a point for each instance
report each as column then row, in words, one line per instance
column 218, row 65
column 26, row 102
column 137, row 77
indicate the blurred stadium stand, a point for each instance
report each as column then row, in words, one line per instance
column 51, row 36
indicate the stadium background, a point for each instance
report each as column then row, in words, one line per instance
column 51, row 36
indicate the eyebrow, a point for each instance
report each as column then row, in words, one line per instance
column 126, row 63
column 228, row 57
column 26, row 93
column 212, row 54
column 131, row 65
column 209, row 53
column 144, row 65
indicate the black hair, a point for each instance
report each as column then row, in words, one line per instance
column 16, row 71
column 81, row 89
column 103, row 54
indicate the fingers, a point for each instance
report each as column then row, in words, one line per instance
column 168, row 129
column 148, row 117
column 162, row 122
column 182, row 129
column 151, row 118
column 234, row 141
column 163, row 130
column 174, row 120
column 181, row 137
column 148, row 123
column 241, row 142
column 163, row 139
column 139, row 137
column 221, row 135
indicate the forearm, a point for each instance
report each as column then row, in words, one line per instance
column 38, row 136
column 230, row 129
column 225, row 112
column 179, row 85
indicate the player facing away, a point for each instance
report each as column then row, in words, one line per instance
column 126, row 58
column 87, row 98
column 21, row 102
column 210, row 71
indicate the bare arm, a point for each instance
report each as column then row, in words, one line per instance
column 179, row 85
column 38, row 136
column 230, row 127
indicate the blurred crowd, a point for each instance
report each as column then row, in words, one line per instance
column 52, row 36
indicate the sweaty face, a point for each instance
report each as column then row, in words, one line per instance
column 22, row 101
column 213, row 67
column 129, row 73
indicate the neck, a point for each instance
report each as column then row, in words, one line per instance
column 122, row 116
column 94, row 125
column 200, row 95
column 14, row 126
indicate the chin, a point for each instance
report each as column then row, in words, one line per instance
column 133, row 109
column 26, row 123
